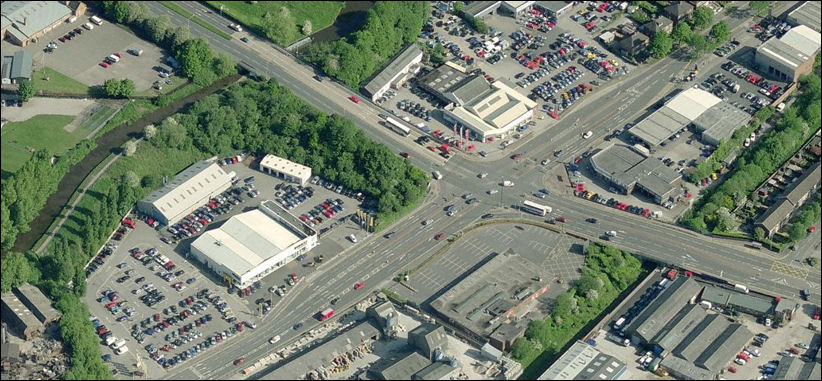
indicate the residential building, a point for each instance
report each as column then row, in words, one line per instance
column 678, row 10
column 285, row 169
column 633, row 45
column 778, row 214
column 189, row 190
column 788, row 57
column 403, row 66
column 659, row 24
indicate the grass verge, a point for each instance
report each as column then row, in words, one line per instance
column 20, row 139
column 197, row 20
column 57, row 82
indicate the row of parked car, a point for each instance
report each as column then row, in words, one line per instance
column 414, row 108
column 293, row 195
column 328, row 209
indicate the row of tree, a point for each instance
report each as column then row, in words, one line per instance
column 606, row 274
column 114, row 88
column 389, row 27
column 25, row 192
column 197, row 61
column 797, row 124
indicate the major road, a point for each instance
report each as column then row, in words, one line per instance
column 376, row 260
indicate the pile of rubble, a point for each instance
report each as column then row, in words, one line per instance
column 41, row 359
column 340, row 363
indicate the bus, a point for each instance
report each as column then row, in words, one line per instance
column 397, row 126
column 534, row 208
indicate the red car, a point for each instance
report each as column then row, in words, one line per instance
column 561, row 219
column 118, row 55
column 516, row 156
column 359, row 285
column 432, row 149
column 239, row 361
column 104, row 64
column 354, row 99
column 812, row 229
column 405, row 155
column 731, row 369
column 439, row 236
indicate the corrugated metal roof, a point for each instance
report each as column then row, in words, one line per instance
column 724, row 347
column 190, row 186
column 648, row 324
column 393, row 68
column 26, row 18
column 701, row 337
column 807, row 14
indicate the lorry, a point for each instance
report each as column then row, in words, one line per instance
column 742, row 288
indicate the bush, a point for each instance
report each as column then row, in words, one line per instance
column 25, row 90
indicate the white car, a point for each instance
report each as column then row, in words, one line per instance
column 352, row 238
column 546, row 161
column 493, row 191
column 587, row 134
column 274, row 339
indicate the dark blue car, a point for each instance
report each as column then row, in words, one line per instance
column 298, row 326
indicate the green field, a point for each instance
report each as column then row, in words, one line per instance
column 19, row 139
column 321, row 13
column 57, row 82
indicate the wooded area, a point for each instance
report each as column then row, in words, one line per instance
column 389, row 26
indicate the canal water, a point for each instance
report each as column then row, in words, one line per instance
column 351, row 18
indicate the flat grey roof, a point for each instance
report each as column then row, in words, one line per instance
column 678, row 329
column 323, row 354
column 37, row 303
column 468, row 90
column 584, row 362
column 402, row 369
column 436, row 371
column 807, row 14
column 553, row 6
column 724, row 347
column 720, row 121
column 394, row 67
column 751, row 302
column 442, row 79
column 625, row 166
column 481, row 8
column 654, row 318
column 474, row 301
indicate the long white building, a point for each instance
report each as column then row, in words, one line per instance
column 285, row 169
column 189, row 190
column 251, row 245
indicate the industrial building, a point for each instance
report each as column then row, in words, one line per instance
column 793, row 368
column 26, row 310
column 26, row 21
column 651, row 321
column 628, row 170
column 516, row 8
column 189, row 190
column 441, row 81
column 488, row 111
column 788, row 57
column 555, row 8
column 807, row 14
column 737, row 301
column 711, row 117
column 423, row 359
column 778, row 214
column 481, row 8
column 285, row 169
column 403, row 66
column 251, row 245
column 17, row 67
column 488, row 303
column 584, row 362
column 693, row 343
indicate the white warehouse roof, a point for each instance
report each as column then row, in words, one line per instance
column 278, row 164
column 679, row 112
column 188, row 189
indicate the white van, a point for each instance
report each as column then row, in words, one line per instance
column 706, row 304
column 121, row 350
column 110, row 340
column 437, row 175
column 71, row 19
column 780, row 107
column 587, row 134
column 741, row 288
column 119, row 343
column 611, row 233
column 96, row 20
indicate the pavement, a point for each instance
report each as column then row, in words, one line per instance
column 376, row 260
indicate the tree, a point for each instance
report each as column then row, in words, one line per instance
column 118, row 89
column 699, row 45
column 720, row 32
column 702, row 17
column 812, row 261
column 796, row 232
column 25, row 90
column 761, row 8
column 131, row 179
column 681, row 33
column 156, row 28
column 280, row 26
column 178, row 36
column 640, row 16
column 724, row 221
column 307, row 27
column 195, row 58
column 660, row 45
column 130, row 148
column 150, row 132
column 127, row 88
column 152, row 181
column 458, row 6
column 224, row 66
column 759, row 233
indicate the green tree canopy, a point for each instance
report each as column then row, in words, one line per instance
column 660, row 45
column 279, row 26
column 195, row 58
column 702, row 17
column 25, row 90
column 681, row 32
column 761, row 8
column 720, row 32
